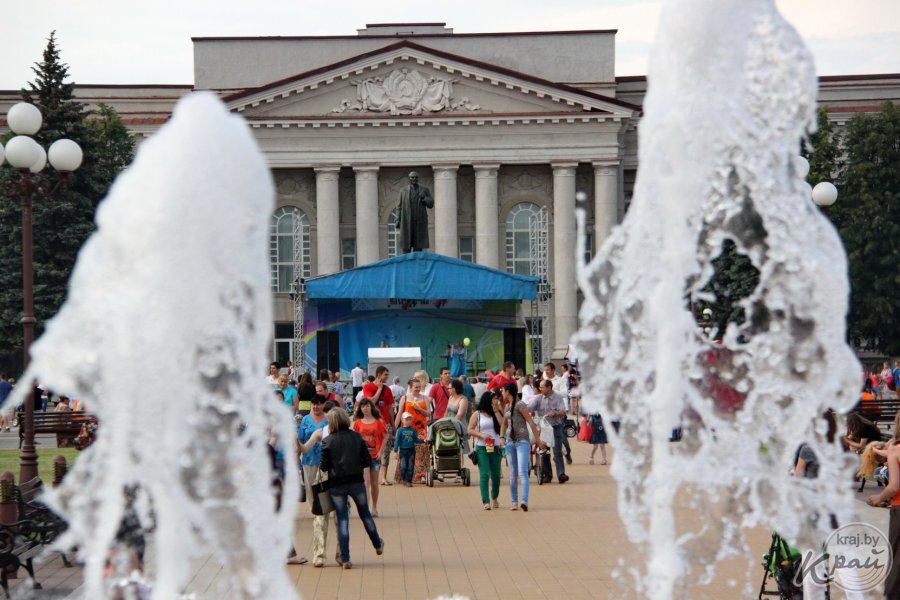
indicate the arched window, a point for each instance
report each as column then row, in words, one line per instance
column 281, row 246
column 393, row 234
column 518, row 238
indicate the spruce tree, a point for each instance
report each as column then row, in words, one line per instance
column 63, row 220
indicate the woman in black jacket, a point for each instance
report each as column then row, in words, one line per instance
column 344, row 457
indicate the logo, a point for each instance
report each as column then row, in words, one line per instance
column 857, row 558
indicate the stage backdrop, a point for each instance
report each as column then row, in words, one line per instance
column 430, row 325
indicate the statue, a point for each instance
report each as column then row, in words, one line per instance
column 412, row 216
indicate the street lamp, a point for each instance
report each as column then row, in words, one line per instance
column 28, row 158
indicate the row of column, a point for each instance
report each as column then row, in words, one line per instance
column 487, row 227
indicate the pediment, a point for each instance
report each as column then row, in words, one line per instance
column 407, row 80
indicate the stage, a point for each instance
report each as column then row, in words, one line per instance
column 420, row 300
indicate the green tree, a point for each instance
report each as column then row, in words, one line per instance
column 823, row 151
column 867, row 215
column 63, row 220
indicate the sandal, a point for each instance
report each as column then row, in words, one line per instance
column 496, row 504
column 487, row 506
column 386, row 483
column 297, row 560
column 514, row 507
column 318, row 563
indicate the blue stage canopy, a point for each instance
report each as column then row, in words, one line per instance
column 423, row 276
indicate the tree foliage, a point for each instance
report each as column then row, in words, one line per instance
column 64, row 220
column 867, row 215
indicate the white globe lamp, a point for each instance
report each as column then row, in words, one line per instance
column 65, row 155
column 24, row 118
column 41, row 162
column 21, row 152
column 824, row 194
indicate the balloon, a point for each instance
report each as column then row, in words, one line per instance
column 466, row 341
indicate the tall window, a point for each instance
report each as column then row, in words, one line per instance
column 281, row 247
column 393, row 234
column 518, row 238
column 348, row 253
column 467, row 249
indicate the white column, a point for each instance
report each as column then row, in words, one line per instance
column 446, row 238
column 606, row 199
column 487, row 227
column 366, row 214
column 565, row 300
column 328, row 242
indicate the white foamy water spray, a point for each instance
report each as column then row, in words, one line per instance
column 163, row 334
column 731, row 93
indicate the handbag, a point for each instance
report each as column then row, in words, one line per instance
column 473, row 455
column 321, row 501
column 585, row 431
column 302, row 485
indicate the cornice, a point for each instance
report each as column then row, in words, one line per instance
column 451, row 120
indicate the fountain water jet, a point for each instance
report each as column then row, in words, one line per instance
column 731, row 93
column 163, row 333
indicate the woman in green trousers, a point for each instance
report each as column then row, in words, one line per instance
column 484, row 426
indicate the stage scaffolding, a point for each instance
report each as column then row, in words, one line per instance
column 298, row 295
column 539, row 321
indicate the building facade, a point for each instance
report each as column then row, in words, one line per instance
column 504, row 128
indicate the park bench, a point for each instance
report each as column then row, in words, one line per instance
column 35, row 527
column 66, row 425
column 884, row 418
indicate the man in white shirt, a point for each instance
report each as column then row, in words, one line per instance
column 397, row 390
column 357, row 375
column 480, row 388
column 274, row 371
column 561, row 389
column 550, row 405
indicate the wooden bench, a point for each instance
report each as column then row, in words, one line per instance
column 884, row 418
column 36, row 526
column 66, row 425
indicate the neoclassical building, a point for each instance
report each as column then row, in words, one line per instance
column 505, row 128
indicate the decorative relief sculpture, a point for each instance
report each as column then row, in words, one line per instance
column 404, row 92
column 515, row 181
column 292, row 184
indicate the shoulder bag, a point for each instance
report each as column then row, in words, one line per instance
column 321, row 498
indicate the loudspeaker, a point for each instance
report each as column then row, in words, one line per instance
column 327, row 351
column 514, row 346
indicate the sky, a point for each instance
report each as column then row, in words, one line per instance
column 139, row 42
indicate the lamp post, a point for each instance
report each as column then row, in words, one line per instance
column 29, row 158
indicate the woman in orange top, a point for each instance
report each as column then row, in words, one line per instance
column 416, row 404
column 892, row 493
column 367, row 422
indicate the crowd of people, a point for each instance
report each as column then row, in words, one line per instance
column 878, row 453
column 505, row 415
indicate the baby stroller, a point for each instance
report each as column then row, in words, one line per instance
column 446, row 453
column 781, row 563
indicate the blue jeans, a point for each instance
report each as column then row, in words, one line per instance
column 518, row 456
column 407, row 463
column 559, row 439
column 339, row 495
